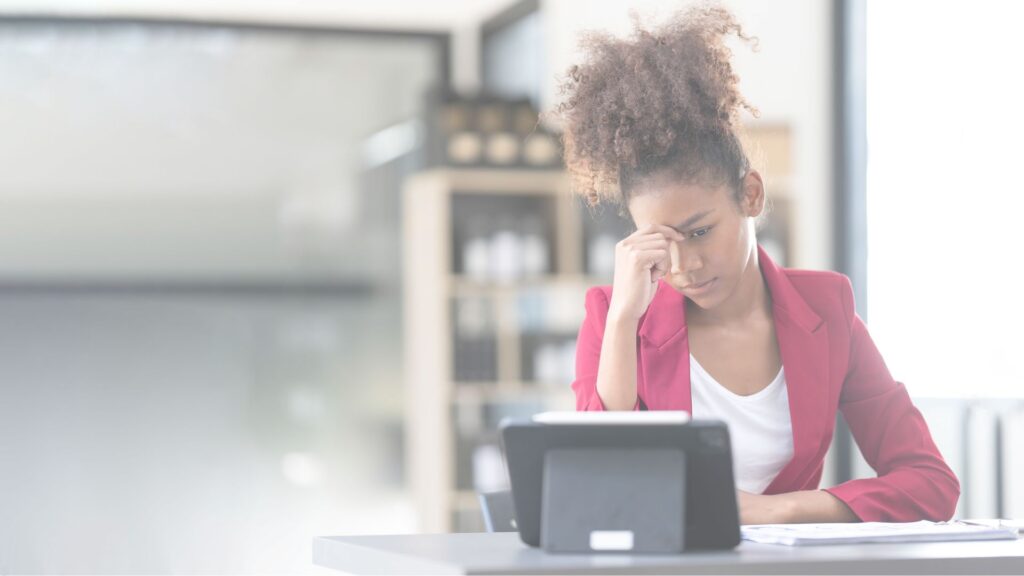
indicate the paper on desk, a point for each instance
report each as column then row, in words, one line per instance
column 864, row 532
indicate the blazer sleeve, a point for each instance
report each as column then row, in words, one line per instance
column 588, row 354
column 913, row 482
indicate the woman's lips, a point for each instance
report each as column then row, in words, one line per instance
column 700, row 288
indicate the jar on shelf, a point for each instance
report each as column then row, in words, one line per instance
column 601, row 255
column 506, row 249
column 489, row 469
column 476, row 250
column 534, row 248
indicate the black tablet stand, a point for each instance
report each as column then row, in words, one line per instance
column 614, row 500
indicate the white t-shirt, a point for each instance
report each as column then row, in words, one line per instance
column 759, row 425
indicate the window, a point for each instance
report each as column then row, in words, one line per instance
column 944, row 196
column 198, row 278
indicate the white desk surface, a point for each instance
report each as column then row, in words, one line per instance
column 504, row 553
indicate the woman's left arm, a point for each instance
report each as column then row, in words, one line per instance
column 914, row 482
column 805, row 506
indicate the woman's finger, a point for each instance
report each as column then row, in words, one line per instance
column 666, row 231
column 659, row 270
column 651, row 258
column 657, row 242
column 654, row 236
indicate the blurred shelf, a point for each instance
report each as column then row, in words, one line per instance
column 497, row 327
column 461, row 285
column 472, row 393
column 466, row 500
column 496, row 181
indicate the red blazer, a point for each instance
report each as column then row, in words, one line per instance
column 831, row 365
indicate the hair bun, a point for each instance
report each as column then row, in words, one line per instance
column 662, row 97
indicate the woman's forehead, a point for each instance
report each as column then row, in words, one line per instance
column 677, row 201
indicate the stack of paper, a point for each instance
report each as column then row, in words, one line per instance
column 862, row 532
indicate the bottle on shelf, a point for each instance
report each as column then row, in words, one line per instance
column 601, row 255
column 489, row 469
column 568, row 365
column 474, row 345
column 476, row 250
column 547, row 364
column 534, row 248
column 506, row 249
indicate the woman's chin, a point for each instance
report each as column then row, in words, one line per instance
column 705, row 301
column 702, row 302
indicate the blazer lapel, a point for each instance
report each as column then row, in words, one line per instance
column 663, row 352
column 803, row 345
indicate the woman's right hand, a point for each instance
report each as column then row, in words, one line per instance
column 641, row 259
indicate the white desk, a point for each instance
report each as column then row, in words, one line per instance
column 504, row 553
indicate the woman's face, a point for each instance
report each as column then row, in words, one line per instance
column 718, row 232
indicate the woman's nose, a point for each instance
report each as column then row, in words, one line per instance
column 683, row 259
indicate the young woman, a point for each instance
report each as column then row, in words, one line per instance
column 700, row 319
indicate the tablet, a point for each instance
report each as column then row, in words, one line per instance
column 712, row 519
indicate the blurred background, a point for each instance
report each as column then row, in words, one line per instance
column 276, row 269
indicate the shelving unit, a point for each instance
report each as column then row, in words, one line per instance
column 453, row 316
column 484, row 344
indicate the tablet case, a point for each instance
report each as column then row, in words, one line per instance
column 594, row 500
column 496, row 508
column 710, row 511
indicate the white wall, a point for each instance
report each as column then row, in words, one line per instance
column 789, row 80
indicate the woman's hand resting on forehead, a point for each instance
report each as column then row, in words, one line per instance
column 641, row 259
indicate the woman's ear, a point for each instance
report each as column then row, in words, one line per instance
column 752, row 200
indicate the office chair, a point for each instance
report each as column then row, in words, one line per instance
column 498, row 511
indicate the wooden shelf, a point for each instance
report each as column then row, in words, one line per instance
column 431, row 289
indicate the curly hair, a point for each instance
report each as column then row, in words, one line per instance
column 662, row 99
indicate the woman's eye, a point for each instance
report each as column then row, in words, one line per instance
column 700, row 232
